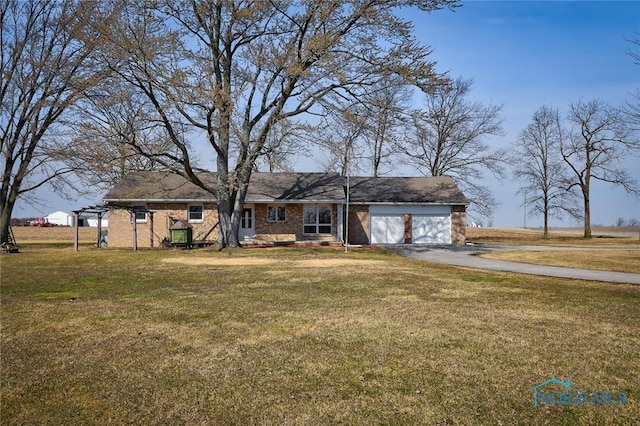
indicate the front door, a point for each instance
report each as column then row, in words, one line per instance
column 247, row 224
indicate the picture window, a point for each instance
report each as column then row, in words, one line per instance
column 317, row 220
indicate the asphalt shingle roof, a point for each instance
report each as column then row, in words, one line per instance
column 315, row 187
column 289, row 187
column 439, row 190
column 159, row 186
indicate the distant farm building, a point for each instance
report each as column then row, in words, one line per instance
column 60, row 218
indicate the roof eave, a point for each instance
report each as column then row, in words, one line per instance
column 413, row 203
column 159, row 200
column 286, row 201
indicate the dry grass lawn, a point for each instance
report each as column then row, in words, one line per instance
column 31, row 234
column 604, row 260
column 616, row 249
column 303, row 336
column 571, row 237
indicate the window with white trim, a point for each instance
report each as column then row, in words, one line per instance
column 317, row 220
column 246, row 221
column 276, row 214
column 141, row 214
column 195, row 213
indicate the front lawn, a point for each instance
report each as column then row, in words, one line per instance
column 304, row 336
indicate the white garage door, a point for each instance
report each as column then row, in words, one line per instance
column 387, row 229
column 433, row 229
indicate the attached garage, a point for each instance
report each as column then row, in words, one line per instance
column 428, row 224
column 431, row 229
column 399, row 210
column 387, row 229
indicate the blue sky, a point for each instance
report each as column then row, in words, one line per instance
column 523, row 55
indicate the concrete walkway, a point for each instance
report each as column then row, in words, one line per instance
column 467, row 256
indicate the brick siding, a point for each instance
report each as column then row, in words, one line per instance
column 121, row 232
column 121, row 228
column 359, row 224
column 458, row 225
column 292, row 228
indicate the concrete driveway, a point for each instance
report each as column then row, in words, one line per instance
column 467, row 256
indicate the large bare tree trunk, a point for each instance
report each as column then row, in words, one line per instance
column 587, row 212
column 8, row 196
column 5, row 220
column 545, row 234
column 228, row 225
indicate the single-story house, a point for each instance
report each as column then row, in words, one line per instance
column 294, row 207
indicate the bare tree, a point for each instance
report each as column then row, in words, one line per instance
column 632, row 107
column 110, row 134
column 539, row 166
column 284, row 144
column 635, row 54
column 632, row 110
column 212, row 65
column 340, row 139
column 600, row 138
column 361, row 137
column 46, row 63
column 385, row 107
column 449, row 140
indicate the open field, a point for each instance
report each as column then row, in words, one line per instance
column 602, row 236
column 27, row 234
column 559, row 236
column 616, row 260
column 305, row 336
column 609, row 237
column 609, row 246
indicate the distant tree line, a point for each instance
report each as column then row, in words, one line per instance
column 620, row 222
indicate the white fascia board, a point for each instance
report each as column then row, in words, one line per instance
column 406, row 204
column 274, row 201
column 146, row 200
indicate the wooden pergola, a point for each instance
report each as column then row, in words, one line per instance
column 100, row 211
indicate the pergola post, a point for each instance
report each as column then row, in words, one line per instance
column 76, row 232
column 99, row 229
column 135, row 230
column 150, row 229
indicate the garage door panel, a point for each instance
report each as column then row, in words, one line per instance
column 387, row 229
column 431, row 229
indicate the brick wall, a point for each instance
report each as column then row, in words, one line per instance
column 292, row 228
column 121, row 228
column 358, row 224
column 458, row 225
